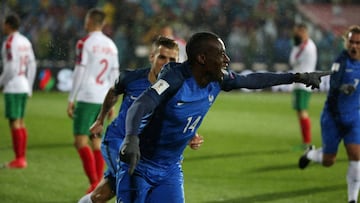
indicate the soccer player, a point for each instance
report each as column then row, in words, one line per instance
column 130, row 84
column 17, row 79
column 167, row 31
column 303, row 58
column 162, row 120
column 340, row 118
column 97, row 67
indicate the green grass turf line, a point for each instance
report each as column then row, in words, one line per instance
column 249, row 154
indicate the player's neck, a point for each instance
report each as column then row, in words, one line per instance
column 199, row 76
column 9, row 33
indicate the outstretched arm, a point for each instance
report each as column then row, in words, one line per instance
column 233, row 80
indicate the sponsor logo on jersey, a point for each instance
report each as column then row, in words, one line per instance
column 211, row 98
column 160, row 86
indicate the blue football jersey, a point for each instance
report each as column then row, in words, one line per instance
column 132, row 84
column 178, row 106
column 346, row 71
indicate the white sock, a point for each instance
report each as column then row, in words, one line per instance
column 353, row 180
column 315, row 155
column 86, row 199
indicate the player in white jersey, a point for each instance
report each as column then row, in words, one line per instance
column 303, row 58
column 96, row 70
column 17, row 78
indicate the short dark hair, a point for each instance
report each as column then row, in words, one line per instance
column 352, row 29
column 97, row 16
column 13, row 21
column 301, row 26
column 198, row 43
column 166, row 42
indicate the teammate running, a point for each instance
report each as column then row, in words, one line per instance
column 340, row 118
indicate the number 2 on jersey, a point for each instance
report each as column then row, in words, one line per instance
column 105, row 65
column 191, row 125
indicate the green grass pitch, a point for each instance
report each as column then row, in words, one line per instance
column 249, row 155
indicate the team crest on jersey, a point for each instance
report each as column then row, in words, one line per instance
column 211, row 98
column 160, row 86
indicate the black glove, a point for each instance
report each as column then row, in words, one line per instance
column 130, row 152
column 311, row 79
column 347, row 89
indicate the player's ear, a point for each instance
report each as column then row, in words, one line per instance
column 201, row 59
column 151, row 57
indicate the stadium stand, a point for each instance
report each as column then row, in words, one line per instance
column 253, row 31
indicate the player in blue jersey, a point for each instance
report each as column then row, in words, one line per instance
column 340, row 118
column 130, row 84
column 173, row 108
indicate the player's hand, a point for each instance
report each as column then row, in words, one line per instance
column 312, row 79
column 196, row 142
column 347, row 89
column 130, row 152
column 97, row 127
column 70, row 109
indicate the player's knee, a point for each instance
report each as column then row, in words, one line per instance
column 77, row 145
column 328, row 162
column 102, row 194
column 80, row 142
column 100, row 198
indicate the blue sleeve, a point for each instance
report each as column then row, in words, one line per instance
column 142, row 106
column 234, row 80
column 337, row 75
column 119, row 86
column 167, row 85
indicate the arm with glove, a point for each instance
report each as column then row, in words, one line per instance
column 130, row 150
column 234, row 80
column 311, row 79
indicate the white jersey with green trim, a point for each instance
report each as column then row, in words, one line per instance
column 303, row 58
column 98, row 67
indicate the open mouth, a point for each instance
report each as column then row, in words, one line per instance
column 224, row 69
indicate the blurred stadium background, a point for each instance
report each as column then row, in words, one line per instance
column 257, row 33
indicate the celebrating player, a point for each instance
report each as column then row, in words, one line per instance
column 340, row 118
column 131, row 84
column 163, row 119
column 96, row 69
column 17, row 79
